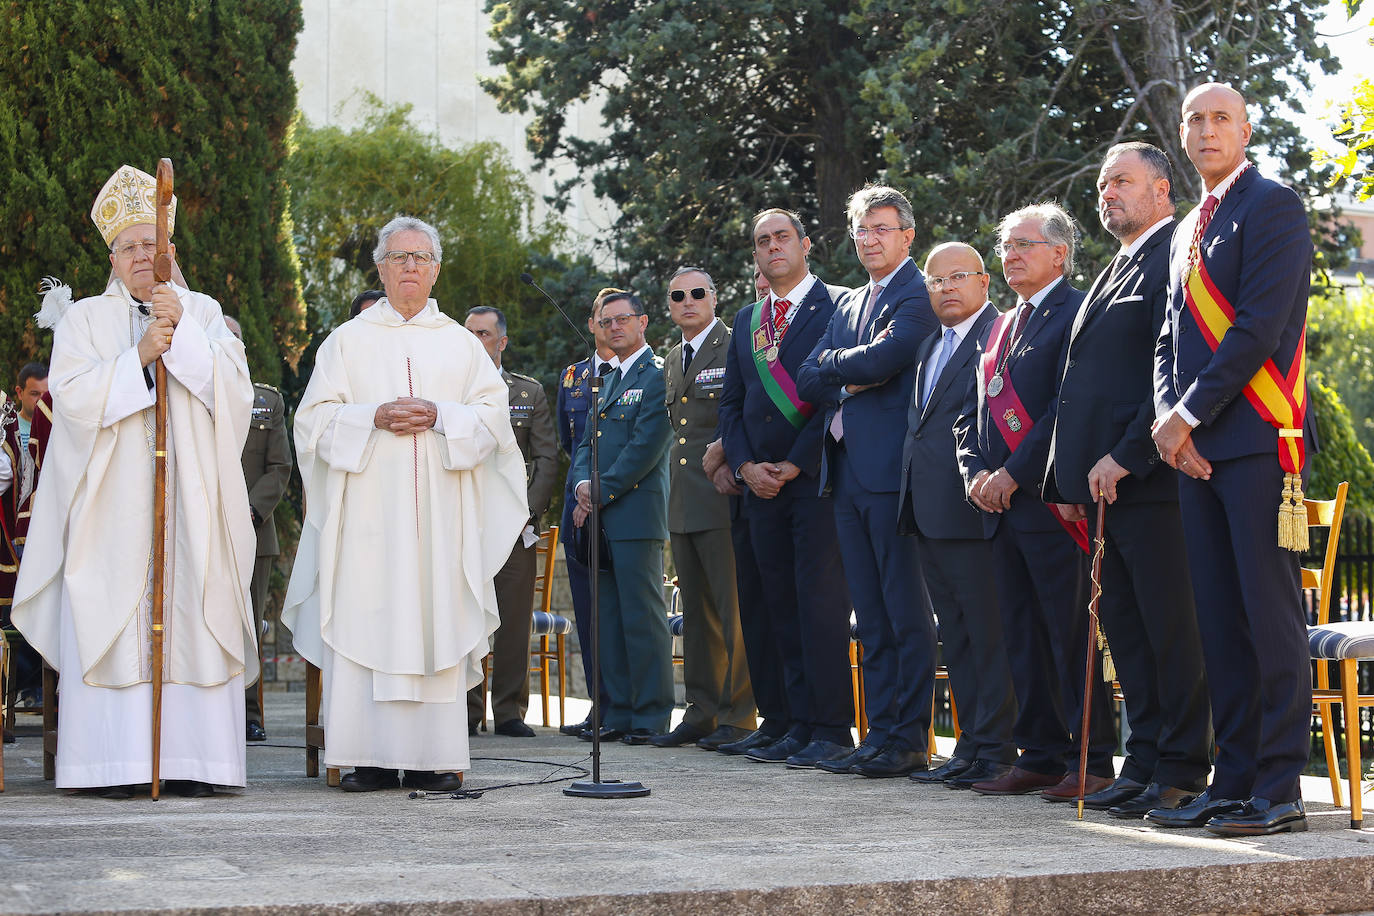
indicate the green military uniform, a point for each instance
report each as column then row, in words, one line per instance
column 636, row 647
column 532, row 421
column 267, row 467
column 715, row 672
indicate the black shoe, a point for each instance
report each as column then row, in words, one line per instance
column 8, row 736
column 753, row 741
column 1258, row 817
column 777, row 751
column 726, row 734
column 256, row 732
column 116, row 793
column 864, row 751
column 190, row 788
column 952, row 767
column 576, row 729
column 472, row 731
column 895, row 760
column 819, row 749
column 430, row 781
column 683, row 734
column 981, row 771
column 1194, row 814
column 607, row 733
column 1123, row 790
column 369, row 779
column 514, row 728
column 637, row 736
column 1156, row 795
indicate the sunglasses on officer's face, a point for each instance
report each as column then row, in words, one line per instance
column 678, row 295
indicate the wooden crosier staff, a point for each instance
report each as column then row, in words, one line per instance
column 162, row 273
column 1094, row 640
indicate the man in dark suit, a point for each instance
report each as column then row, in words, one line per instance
column 574, row 398
column 1003, row 437
column 773, row 444
column 861, row 373
column 1102, row 450
column 715, row 674
column 636, row 647
column 267, row 465
column 955, row 557
column 532, row 422
column 1239, row 273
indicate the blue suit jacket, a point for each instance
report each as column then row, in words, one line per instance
column 752, row 427
column 632, row 453
column 574, row 397
column 1259, row 254
column 1037, row 364
column 874, row 420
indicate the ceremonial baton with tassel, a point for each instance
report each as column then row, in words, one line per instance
column 1099, row 547
column 162, row 273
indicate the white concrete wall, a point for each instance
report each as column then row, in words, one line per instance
column 428, row 54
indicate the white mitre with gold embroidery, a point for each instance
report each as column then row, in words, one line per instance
column 129, row 198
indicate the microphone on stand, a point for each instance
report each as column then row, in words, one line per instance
column 596, row 787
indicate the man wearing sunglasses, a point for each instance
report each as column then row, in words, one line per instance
column 862, row 371
column 720, row 704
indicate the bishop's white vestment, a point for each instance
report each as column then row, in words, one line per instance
column 392, row 591
column 84, row 593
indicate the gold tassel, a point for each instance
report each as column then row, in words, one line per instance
column 1292, row 515
column 1108, row 666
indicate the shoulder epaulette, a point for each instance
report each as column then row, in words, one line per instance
column 271, row 388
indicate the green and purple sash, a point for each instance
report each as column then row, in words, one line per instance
column 779, row 385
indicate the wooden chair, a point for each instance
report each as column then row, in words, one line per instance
column 547, row 624
column 1344, row 643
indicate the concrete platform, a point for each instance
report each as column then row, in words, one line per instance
column 718, row 834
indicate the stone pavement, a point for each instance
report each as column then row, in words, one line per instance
column 717, row 835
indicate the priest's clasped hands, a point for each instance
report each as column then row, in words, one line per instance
column 165, row 307
column 406, row 416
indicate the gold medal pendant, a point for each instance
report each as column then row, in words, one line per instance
column 771, row 354
column 995, row 386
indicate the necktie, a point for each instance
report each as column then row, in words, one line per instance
column 780, row 309
column 1204, row 219
column 687, row 354
column 946, row 350
column 605, row 370
column 874, row 291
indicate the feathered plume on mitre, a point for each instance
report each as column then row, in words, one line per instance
column 57, row 298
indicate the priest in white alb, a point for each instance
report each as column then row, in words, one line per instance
column 84, row 594
column 414, row 492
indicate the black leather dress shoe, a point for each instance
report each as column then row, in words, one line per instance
column 778, row 751
column 637, row 736
column 954, row 766
column 607, row 733
column 864, row 751
column 115, row 793
column 726, row 734
column 895, row 760
column 981, row 771
column 369, row 779
column 514, row 728
column 819, row 749
column 255, row 732
column 1259, row 816
column 1156, row 795
column 575, row 729
column 751, row 742
column 683, row 734
column 190, row 788
column 1194, row 814
column 430, row 781
column 1123, row 790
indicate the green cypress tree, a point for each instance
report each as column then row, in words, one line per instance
column 88, row 85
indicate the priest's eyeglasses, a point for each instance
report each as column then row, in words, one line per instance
column 698, row 293
column 1020, row 246
column 148, row 247
column 952, row 280
column 422, row 258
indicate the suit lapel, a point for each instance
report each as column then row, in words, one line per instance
column 959, row 358
column 715, row 342
column 805, row 312
column 1040, row 317
column 890, row 294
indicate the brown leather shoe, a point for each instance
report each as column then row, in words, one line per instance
column 1067, row 789
column 1017, row 782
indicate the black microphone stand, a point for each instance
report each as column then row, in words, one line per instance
column 596, row 788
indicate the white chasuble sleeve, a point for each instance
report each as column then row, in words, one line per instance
column 129, row 389
column 191, row 358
